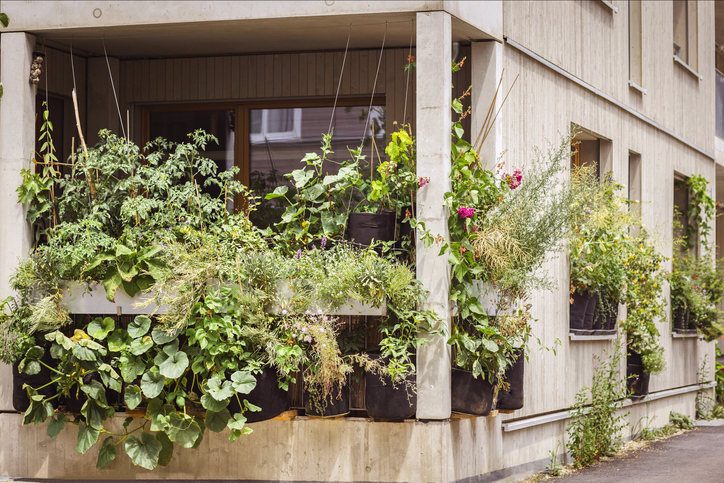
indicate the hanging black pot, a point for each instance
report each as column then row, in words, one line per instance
column 578, row 311
column 474, row 396
column 636, row 380
column 267, row 394
column 335, row 404
column 681, row 321
column 590, row 312
column 21, row 402
column 385, row 401
column 362, row 228
column 513, row 399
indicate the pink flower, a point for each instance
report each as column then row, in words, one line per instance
column 466, row 212
column 514, row 179
column 424, row 181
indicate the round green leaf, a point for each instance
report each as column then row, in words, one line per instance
column 173, row 366
column 132, row 396
column 161, row 336
column 218, row 390
column 183, row 429
column 107, row 453
column 99, row 328
column 243, row 382
column 152, row 384
column 211, row 404
column 141, row 345
column 144, row 452
column 139, row 327
column 87, row 437
column 216, row 422
column 118, row 340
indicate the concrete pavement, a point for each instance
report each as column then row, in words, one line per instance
column 695, row 456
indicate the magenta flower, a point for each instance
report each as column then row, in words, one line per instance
column 515, row 179
column 466, row 212
column 424, row 181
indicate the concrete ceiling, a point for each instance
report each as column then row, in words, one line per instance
column 244, row 36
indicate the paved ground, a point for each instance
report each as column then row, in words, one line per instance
column 695, row 456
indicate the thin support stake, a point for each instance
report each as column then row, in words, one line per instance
column 113, row 86
column 374, row 87
column 339, row 84
column 407, row 82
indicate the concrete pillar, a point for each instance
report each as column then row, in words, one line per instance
column 17, row 142
column 102, row 111
column 487, row 67
column 433, row 111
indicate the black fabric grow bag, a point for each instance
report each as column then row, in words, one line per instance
column 336, row 404
column 267, row 395
column 636, row 380
column 513, row 398
column 590, row 312
column 383, row 401
column 578, row 310
column 21, row 402
column 364, row 227
column 470, row 395
column 681, row 321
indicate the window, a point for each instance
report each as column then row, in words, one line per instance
column 635, row 68
column 685, row 32
column 268, row 139
column 590, row 149
column 634, row 183
column 681, row 208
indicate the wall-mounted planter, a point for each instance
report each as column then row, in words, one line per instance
column 92, row 300
column 385, row 401
column 285, row 294
column 680, row 320
column 362, row 228
column 513, row 398
column 472, row 396
column 582, row 310
column 637, row 380
column 267, row 394
column 337, row 404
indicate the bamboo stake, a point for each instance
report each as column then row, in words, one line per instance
column 491, row 107
column 82, row 141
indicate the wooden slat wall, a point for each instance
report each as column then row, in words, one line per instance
column 276, row 76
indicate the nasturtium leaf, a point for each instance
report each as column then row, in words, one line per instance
column 216, row 422
column 173, row 366
column 131, row 368
column 243, row 382
column 161, row 336
column 107, row 453
column 219, row 390
column 152, row 384
column 56, row 425
column 87, row 437
column 141, row 346
column 95, row 413
column 118, row 340
column 132, row 396
column 211, row 404
column 237, row 422
column 99, row 328
column 166, row 453
column 139, row 326
column 202, row 428
column 144, row 452
column 95, row 390
column 183, row 429
column 251, row 407
column 38, row 412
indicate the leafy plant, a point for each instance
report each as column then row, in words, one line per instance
column 594, row 430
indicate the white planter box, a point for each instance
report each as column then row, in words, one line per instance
column 80, row 301
column 351, row 307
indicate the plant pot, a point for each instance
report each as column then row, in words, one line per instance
column 335, row 404
column 590, row 313
column 578, row 311
column 636, row 380
column 21, row 402
column 472, row 396
column 384, row 401
column 267, row 395
column 611, row 318
column 681, row 321
column 364, row 227
column 513, row 398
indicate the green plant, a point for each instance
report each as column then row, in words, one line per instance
column 719, row 378
column 700, row 211
column 680, row 421
column 554, row 467
column 594, row 430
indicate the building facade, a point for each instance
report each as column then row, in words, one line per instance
column 249, row 71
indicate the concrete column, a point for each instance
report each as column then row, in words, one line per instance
column 487, row 67
column 102, row 111
column 433, row 111
column 17, row 142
